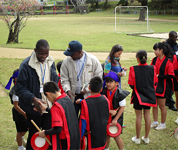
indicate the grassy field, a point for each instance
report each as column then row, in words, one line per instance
column 158, row 139
column 96, row 31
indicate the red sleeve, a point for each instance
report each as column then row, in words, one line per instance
column 131, row 80
column 175, row 63
column 56, row 117
column 170, row 68
column 152, row 62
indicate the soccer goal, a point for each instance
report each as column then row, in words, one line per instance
column 132, row 19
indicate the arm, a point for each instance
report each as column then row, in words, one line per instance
column 55, row 130
column 121, row 110
column 131, row 78
column 107, row 67
column 16, row 106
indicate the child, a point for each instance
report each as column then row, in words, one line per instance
column 58, row 66
column 164, row 71
column 19, row 116
column 64, row 122
column 112, row 62
column 142, row 79
column 94, row 116
column 117, row 100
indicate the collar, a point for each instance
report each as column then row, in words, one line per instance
column 145, row 64
column 97, row 95
column 61, row 96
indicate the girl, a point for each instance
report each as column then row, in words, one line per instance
column 142, row 79
column 164, row 71
column 19, row 116
column 113, row 62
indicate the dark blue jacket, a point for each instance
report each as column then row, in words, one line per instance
column 28, row 85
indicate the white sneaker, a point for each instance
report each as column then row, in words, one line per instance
column 146, row 140
column 154, row 125
column 24, row 142
column 135, row 140
column 176, row 121
column 160, row 127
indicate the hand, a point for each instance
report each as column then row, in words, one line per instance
column 70, row 94
column 25, row 116
column 37, row 104
column 83, row 92
column 114, row 122
column 113, row 112
column 41, row 133
column 125, row 69
column 77, row 101
column 43, row 107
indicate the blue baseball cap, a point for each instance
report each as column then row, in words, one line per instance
column 74, row 46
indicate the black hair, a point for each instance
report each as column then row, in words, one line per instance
column 115, row 48
column 172, row 33
column 50, row 87
column 96, row 84
column 16, row 70
column 42, row 43
column 58, row 66
column 142, row 55
column 164, row 46
column 108, row 79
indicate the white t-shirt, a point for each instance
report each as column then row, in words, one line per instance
column 122, row 103
column 15, row 98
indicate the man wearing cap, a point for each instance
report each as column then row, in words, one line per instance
column 77, row 70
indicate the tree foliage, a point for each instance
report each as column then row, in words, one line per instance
column 16, row 13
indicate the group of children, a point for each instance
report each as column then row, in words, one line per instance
column 106, row 104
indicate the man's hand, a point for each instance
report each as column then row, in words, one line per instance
column 41, row 133
column 83, row 92
column 37, row 104
column 70, row 94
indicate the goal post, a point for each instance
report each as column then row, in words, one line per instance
column 132, row 19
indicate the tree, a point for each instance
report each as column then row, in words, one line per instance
column 16, row 13
column 143, row 9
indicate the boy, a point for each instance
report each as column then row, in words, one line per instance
column 117, row 100
column 64, row 122
column 94, row 116
column 19, row 116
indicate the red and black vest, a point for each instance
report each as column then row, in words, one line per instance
column 71, row 127
column 96, row 113
column 145, row 83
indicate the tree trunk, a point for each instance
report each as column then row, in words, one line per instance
column 142, row 14
column 14, row 31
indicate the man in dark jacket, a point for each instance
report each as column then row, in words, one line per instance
column 172, row 44
column 36, row 70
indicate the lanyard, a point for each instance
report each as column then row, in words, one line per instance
column 43, row 74
column 81, row 68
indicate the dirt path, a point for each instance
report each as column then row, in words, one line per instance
column 23, row 53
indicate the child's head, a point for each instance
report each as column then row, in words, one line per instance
column 115, row 53
column 96, row 84
column 161, row 48
column 58, row 66
column 112, row 80
column 14, row 77
column 50, row 89
column 141, row 56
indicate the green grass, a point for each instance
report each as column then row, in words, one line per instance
column 158, row 139
column 96, row 31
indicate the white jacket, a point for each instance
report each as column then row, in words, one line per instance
column 68, row 73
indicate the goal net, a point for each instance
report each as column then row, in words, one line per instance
column 132, row 19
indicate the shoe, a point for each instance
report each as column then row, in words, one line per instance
column 172, row 107
column 123, row 125
column 135, row 140
column 160, row 127
column 22, row 149
column 154, row 125
column 146, row 140
column 176, row 121
column 24, row 143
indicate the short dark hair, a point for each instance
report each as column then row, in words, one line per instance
column 142, row 55
column 41, row 43
column 58, row 66
column 50, row 87
column 108, row 79
column 164, row 46
column 96, row 84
